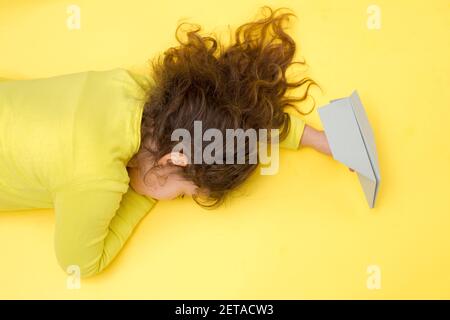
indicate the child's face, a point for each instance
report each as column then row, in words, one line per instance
column 170, row 186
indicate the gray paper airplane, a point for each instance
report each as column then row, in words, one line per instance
column 352, row 141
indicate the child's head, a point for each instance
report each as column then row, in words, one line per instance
column 241, row 86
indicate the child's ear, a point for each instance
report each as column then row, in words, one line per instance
column 176, row 158
column 179, row 159
column 132, row 163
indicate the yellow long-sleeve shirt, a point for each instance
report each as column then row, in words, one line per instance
column 65, row 142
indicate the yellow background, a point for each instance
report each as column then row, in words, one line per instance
column 304, row 233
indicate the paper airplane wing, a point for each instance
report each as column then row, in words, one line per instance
column 366, row 131
column 351, row 141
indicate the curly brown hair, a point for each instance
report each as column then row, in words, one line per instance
column 242, row 85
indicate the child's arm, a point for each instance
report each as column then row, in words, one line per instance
column 303, row 135
column 93, row 224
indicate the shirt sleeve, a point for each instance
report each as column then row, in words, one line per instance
column 93, row 224
column 292, row 140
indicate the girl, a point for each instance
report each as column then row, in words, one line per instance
column 96, row 146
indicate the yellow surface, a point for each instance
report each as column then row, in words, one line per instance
column 304, row 233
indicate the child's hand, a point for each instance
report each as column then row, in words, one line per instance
column 315, row 139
